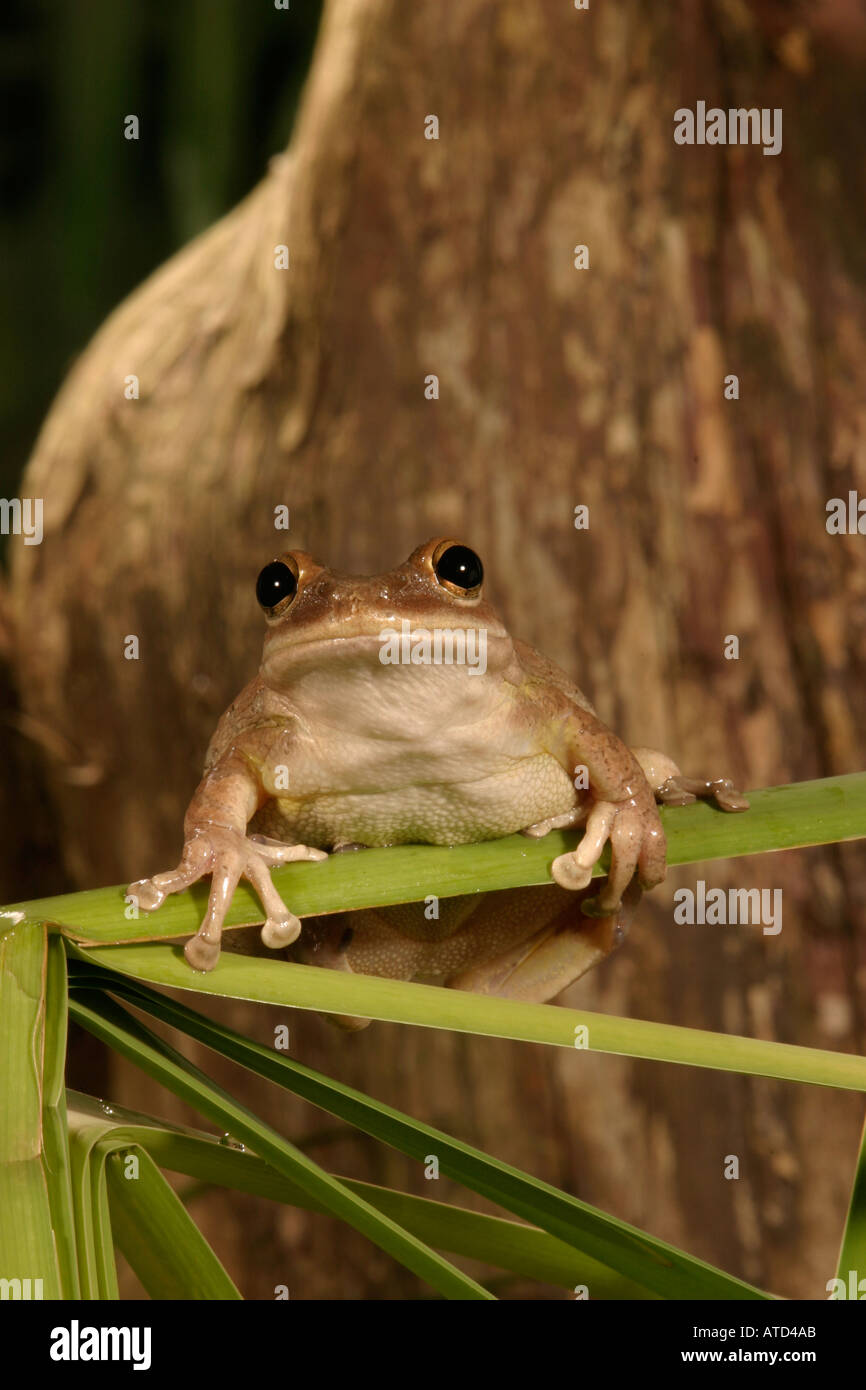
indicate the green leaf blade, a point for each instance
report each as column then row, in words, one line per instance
column 825, row 811
column 634, row 1254
column 110, row 1023
column 28, row 1252
column 157, row 1235
column 430, row 1006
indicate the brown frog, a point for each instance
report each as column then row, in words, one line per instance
column 397, row 709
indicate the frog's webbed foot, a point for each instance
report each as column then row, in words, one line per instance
column 227, row 855
column 671, row 788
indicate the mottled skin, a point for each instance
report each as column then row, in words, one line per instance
column 327, row 748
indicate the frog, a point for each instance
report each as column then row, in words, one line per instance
column 397, row 709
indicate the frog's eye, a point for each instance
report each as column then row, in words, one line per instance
column 458, row 568
column 276, row 583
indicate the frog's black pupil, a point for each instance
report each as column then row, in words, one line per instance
column 275, row 583
column 460, row 566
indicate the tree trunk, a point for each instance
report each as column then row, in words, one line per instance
column 557, row 387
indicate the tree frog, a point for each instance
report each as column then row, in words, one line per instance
column 397, row 709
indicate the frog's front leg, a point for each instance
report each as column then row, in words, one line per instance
column 216, row 843
column 671, row 788
column 621, row 809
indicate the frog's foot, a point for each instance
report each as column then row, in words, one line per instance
column 671, row 788
column 637, row 845
column 564, row 822
column 274, row 852
column 543, row 965
column 680, row 791
column 227, row 855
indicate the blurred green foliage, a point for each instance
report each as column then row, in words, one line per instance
column 86, row 214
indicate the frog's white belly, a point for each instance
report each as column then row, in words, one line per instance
column 447, row 813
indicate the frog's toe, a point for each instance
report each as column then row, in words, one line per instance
column 201, row 953
column 563, row 822
column 672, row 788
column 727, row 796
column 147, row 893
column 679, row 791
column 569, row 873
column 280, row 932
column 281, row 926
column 274, row 852
column 669, row 794
column 151, row 893
column 574, row 870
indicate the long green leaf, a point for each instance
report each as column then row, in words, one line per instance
column 852, row 1254
column 56, row 1162
column 114, row 1026
column 639, row 1256
column 129, row 1208
column 27, row 1249
column 96, row 1268
column 430, row 1006
column 103, row 1239
column 506, row 1244
column 157, row 1235
column 789, row 817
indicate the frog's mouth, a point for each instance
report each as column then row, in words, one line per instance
column 475, row 647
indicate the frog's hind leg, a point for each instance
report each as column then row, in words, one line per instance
column 388, row 942
column 671, row 788
column 542, row 965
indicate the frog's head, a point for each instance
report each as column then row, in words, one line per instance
column 428, row 611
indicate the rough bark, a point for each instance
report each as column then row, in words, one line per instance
column 558, row 387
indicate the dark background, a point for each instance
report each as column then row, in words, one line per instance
column 86, row 215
